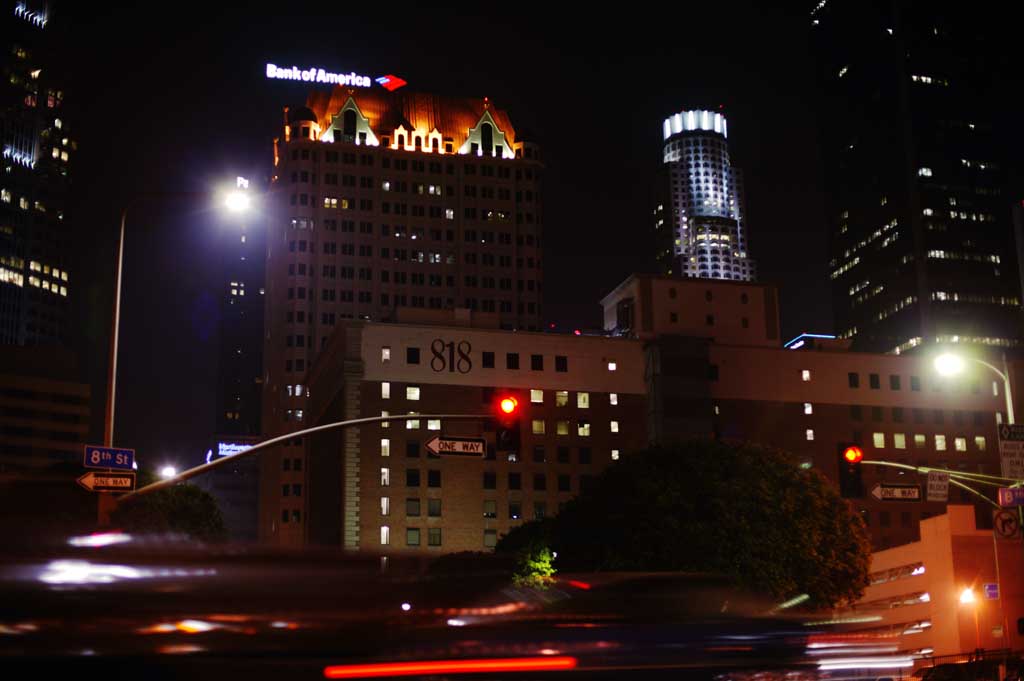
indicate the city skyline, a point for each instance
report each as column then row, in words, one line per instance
column 541, row 77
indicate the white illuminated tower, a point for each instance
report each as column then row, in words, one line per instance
column 699, row 217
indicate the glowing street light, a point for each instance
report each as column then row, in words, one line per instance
column 950, row 364
column 967, row 595
column 237, row 201
column 168, row 472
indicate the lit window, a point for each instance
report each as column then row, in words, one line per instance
column 385, row 505
column 899, row 441
column 385, row 391
column 940, row 443
column 561, row 427
column 960, row 444
column 612, row 366
column 979, row 442
column 561, row 398
column 385, row 354
column 412, row 392
column 878, row 439
column 537, row 396
column 385, row 447
column 924, row 172
column 583, row 400
column 805, row 375
column 583, row 429
column 615, row 455
column 433, row 424
column 385, row 535
column 920, row 441
column 449, row 213
column 538, row 427
column 412, row 424
column 928, row 211
column 615, row 426
column 808, row 408
column 613, row 398
column 385, row 424
column 385, row 477
column 809, row 433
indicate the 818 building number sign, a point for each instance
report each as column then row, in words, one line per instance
column 451, row 356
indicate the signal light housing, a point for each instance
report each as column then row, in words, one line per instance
column 507, row 435
column 849, row 457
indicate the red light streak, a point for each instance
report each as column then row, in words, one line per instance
column 578, row 584
column 507, row 664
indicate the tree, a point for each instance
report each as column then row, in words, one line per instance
column 180, row 508
column 743, row 511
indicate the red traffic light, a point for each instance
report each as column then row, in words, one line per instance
column 508, row 405
column 853, row 454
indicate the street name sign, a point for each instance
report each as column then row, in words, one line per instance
column 95, row 481
column 95, row 456
column 885, row 492
column 992, row 592
column 1011, row 496
column 457, row 446
column 1011, row 450
column 938, row 486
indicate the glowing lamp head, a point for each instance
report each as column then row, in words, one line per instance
column 967, row 595
column 168, row 472
column 237, row 201
column 948, row 364
column 508, row 405
column 853, row 454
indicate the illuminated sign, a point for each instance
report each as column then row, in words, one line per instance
column 390, row 83
column 37, row 18
column 231, row 448
column 315, row 75
column 19, row 157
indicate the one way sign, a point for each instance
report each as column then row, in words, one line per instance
column 458, row 446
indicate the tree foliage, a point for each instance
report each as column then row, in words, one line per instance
column 181, row 508
column 705, row 506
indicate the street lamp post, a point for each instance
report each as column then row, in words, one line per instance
column 949, row 364
column 235, row 201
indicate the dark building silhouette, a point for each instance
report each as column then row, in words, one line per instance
column 918, row 210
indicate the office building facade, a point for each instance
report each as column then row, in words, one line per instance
column 390, row 201
column 699, row 218
column 662, row 374
column 922, row 248
column 37, row 152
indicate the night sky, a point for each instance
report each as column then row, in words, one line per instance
column 172, row 99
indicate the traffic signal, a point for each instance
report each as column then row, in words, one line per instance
column 849, row 456
column 507, row 435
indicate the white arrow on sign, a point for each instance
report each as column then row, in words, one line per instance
column 464, row 446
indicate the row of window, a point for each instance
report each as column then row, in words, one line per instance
column 433, row 167
column 414, row 478
column 899, row 441
column 895, row 382
column 898, row 415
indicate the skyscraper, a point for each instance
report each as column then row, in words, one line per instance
column 386, row 205
column 699, row 214
column 37, row 148
column 922, row 242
